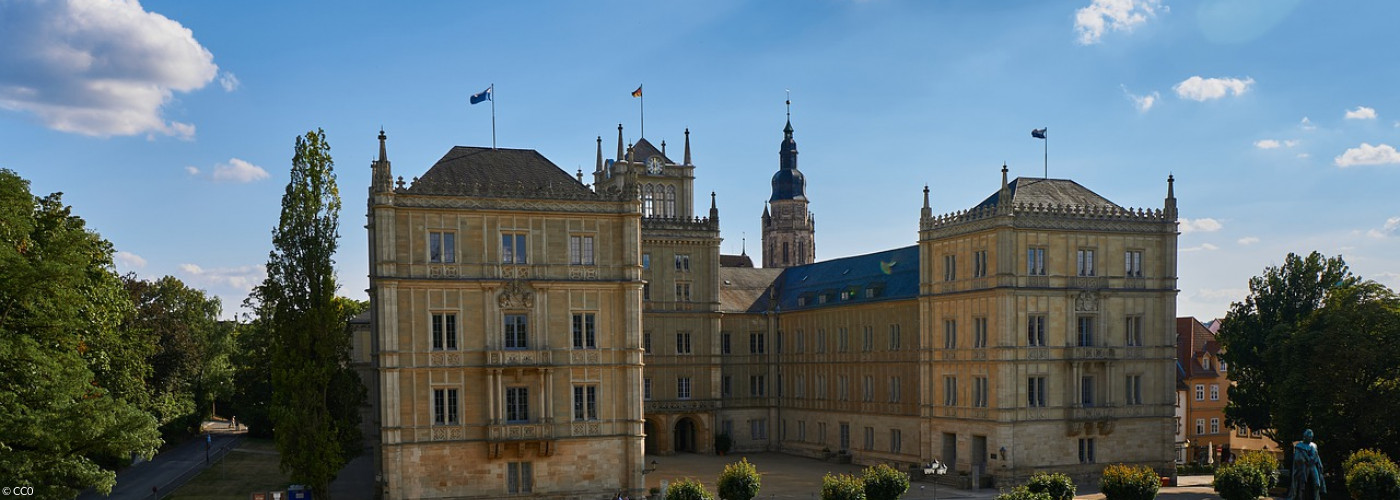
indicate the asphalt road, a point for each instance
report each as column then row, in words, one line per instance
column 135, row 482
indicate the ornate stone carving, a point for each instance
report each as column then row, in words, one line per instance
column 516, row 294
column 1087, row 301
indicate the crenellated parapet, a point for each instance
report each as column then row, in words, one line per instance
column 516, row 189
column 1049, row 216
column 680, row 223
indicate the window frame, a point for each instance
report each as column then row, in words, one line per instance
column 442, row 247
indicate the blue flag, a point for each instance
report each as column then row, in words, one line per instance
column 484, row 95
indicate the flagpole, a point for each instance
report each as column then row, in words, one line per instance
column 1047, row 152
column 642, row 105
column 493, row 116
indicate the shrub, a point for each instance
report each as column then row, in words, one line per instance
column 688, row 489
column 1373, row 480
column 1058, row 486
column 738, row 481
column 1240, row 482
column 1127, row 482
column 1261, row 461
column 883, row 482
column 723, row 443
column 1024, row 493
column 841, row 487
column 1361, row 456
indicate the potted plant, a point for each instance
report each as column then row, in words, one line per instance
column 722, row 443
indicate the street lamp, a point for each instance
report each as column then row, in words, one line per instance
column 938, row 469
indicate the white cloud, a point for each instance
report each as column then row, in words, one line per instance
column 241, row 278
column 1202, row 246
column 1366, row 154
column 1306, row 124
column 1116, row 15
column 130, row 260
column 1304, row 156
column 191, row 170
column 1143, row 103
column 1272, row 143
column 229, row 82
column 237, row 170
column 1204, row 225
column 1205, row 89
column 1361, row 113
column 1391, row 226
column 98, row 68
column 1248, row 240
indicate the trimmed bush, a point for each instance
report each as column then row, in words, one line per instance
column 883, row 482
column 688, row 489
column 1261, row 461
column 1058, row 486
column 738, row 481
column 1024, row 493
column 1372, row 477
column 1128, row 482
column 1367, row 455
column 840, row 487
column 1240, row 482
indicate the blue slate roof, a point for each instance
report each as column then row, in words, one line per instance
column 879, row 276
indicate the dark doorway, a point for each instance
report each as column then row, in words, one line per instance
column 649, row 428
column 684, row 435
column 950, row 451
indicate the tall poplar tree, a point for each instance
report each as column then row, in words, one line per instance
column 316, row 432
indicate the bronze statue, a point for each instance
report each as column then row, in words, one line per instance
column 1307, row 481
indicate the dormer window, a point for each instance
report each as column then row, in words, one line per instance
column 1205, row 362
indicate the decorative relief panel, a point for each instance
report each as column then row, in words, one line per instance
column 1087, row 301
column 517, row 294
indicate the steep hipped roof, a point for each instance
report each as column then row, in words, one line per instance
column 479, row 171
column 1194, row 340
column 644, row 149
column 1054, row 192
column 741, row 260
column 741, row 288
column 889, row 275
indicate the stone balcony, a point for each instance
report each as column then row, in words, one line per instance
column 520, row 357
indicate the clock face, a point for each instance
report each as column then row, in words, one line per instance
column 654, row 165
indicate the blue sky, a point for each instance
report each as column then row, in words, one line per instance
column 169, row 125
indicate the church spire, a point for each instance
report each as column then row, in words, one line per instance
column 687, row 147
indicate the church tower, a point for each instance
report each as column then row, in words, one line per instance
column 788, row 228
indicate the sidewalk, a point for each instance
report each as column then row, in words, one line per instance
column 170, row 468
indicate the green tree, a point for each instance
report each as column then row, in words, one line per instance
column 738, row 481
column 883, row 482
column 842, row 487
column 688, row 489
column 251, row 398
column 187, row 367
column 71, row 393
column 316, row 425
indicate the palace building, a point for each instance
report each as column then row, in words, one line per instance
column 532, row 335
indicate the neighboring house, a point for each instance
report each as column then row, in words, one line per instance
column 1031, row 332
column 1206, row 379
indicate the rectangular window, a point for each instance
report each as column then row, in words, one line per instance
column 1086, row 450
column 585, row 402
column 950, row 334
column 726, row 386
column 845, row 436
column 950, row 267
column 979, row 332
column 756, row 343
column 843, row 341
column 821, row 340
column 799, row 389
column 1200, row 426
column 868, row 389
column 950, row 391
column 724, row 346
column 1132, row 263
column 682, row 292
column 517, row 404
column 513, row 248
column 1215, row 392
column 843, row 388
column 585, row 332
column 1084, row 262
column 517, row 331
column 1132, row 388
column 683, row 343
column 800, row 340
column 1215, row 426
column 867, row 339
column 894, row 389
column 1086, row 391
column 979, row 263
column 758, row 428
column 980, row 393
column 896, row 440
column 683, row 262
column 1035, row 331
column 1200, row 392
column 1241, row 432
column 646, row 261
column 646, row 291
column 1085, row 331
column 821, row 432
column 758, row 387
column 520, row 477
column 895, row 341
column 1035, row 261
column 683, row 388
column 581, row 250
column 1132, row 328
column 802, row 431
column 1035, row 392
column 442, row 247
column 870, row 438
column 444, row 332
column 444, row 406
column 821, row 387
column 646, row 389
column 646, row 342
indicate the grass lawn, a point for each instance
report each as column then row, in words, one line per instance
column 249, row 468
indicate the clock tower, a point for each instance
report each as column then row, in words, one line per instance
column 788, row 227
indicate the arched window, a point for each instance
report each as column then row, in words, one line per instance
column 670, row 201
column 647, row 201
